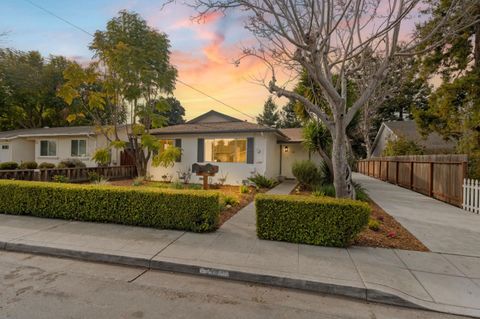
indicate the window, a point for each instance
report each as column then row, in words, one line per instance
column 79, row 148
column 226, row 150
column 4, row 147
column 48, row 148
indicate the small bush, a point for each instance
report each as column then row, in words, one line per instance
column 195, row 186
column 325, row 190
column 178, row 185
column 60, row 179
column 261, row 181
column 94, row 177
column 189, row 210
column 374, row 225
column 306, row 173
column 138, row 181
column 229, row 200
column 102, row 156
column 71, row 163
column 8, row 165
column 244, row 189
column 45, row 165
column 310, row 220
column 28, row 165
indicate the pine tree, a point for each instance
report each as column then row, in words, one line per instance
column 270, row 116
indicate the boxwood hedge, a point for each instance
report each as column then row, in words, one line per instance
column 196, row 211
column 310, row 220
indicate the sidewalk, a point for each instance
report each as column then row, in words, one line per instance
column 427, row 280
column 441, row 227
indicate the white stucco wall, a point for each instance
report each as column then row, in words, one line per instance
column 236, row 172
column 6, row 154
column 296, row 152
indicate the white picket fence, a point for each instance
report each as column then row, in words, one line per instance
column 471, row 195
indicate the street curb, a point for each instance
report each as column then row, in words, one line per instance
column 314, row 286
column 365, row 294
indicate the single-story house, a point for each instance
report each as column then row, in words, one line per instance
column 433, row 143
column 239, row 148
column 54, row 144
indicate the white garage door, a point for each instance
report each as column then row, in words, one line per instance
column 4, row 153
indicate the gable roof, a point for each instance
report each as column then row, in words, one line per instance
column 212, row 113
column 221, row 123
column 48, row 131
column 409, row 130
column 295, row 135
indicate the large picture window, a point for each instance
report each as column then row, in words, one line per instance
column 226, row 150
column 48, row 148
column 79, row 148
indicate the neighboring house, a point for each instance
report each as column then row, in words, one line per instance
column 239, row 148
column 54, row 144
column 433, row 143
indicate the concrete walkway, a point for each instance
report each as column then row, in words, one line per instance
column 433, row 281
column 441, row 227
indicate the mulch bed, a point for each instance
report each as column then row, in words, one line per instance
column 390, row 235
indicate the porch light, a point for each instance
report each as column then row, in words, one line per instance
column 285, row 149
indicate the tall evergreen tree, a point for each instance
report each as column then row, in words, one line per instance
column 270, row 116
column 289, row 117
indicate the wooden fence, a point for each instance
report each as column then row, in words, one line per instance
column 438, row 176
column 471, row 195
column 75, row 175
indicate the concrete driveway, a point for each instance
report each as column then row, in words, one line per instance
column 443, row 228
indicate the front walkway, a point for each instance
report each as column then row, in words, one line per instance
column 441, row 227
column 425, row 280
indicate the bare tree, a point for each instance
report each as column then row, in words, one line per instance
column 323, row 37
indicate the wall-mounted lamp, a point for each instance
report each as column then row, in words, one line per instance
column 285, row 149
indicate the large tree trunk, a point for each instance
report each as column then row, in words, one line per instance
column 342, row 177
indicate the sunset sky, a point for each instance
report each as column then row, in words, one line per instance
column 202, row 52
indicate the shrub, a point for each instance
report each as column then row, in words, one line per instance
column 195, row 186
column 102, row 156
column 325, row 190
column 178, row 185
column 402, row 146
column 8, row 165
column 261, row 181
column 329, row 190
column 244, row 189
column 306, row 173
column 229, row 200
column 196, row 211
column 60, row 179
column 71, row 163
column 45, row 165
column 374, row 225
column 28, row 165
column 310, row 220
column 138, row 181
column 94, row 177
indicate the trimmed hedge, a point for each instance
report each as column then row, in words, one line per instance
column 310, row 220
column 196, row 211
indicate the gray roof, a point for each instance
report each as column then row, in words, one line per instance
column 48, row 131
column 213, row 127
column 409, row 130
column 226, row 117
column 295, row 135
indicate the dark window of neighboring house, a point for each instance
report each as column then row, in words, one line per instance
column 48, row 148
column 79, row 148
column 4, row 147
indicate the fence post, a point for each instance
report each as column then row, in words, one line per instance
column 430, row 185
column 411, row 175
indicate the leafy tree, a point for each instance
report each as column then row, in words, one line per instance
column 322, row 38
column 28, row 85
column 402, row 146
column 289, row 117
column 270, row 116
column 176, row 112
column 454, row 107
column 135, row 72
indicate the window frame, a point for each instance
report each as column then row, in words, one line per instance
column 78, row 148
column 5, row 147
column 48, row 148
column 212, row 153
